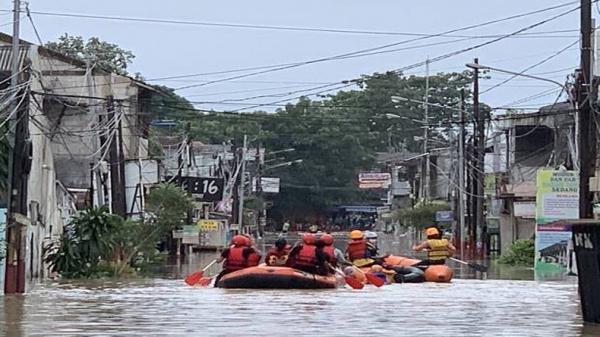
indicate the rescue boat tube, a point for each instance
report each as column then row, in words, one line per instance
column 266, row 277
column 433, row 273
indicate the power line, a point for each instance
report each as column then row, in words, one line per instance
column 280, row 28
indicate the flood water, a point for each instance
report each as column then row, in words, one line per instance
column 167, row 306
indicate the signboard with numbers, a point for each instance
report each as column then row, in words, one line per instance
column 203, row 189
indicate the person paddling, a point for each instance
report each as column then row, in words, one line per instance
column 309, row 256
column 359, row 251
column 438, row 249
column 236, row 256
column 278, row 254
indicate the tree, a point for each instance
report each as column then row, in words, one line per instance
column 169, row 206
column 108, row 56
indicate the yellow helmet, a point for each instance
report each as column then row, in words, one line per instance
column 356, row 235
column 431, row 231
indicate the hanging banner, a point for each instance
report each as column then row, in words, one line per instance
column 557, row 196
column 554, row 252
column 369, row 180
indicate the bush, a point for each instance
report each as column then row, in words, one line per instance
column 99, row 244
column 521, row 253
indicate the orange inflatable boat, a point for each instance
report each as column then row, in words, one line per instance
column 265, row 277
column 433, row 273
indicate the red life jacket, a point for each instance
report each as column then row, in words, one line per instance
column 330, row 251
column 307, row 256
column 253, row 259
column 276, row 257
column 235, row 259
column 357, row 249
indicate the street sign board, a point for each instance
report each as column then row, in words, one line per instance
column 368, row 180
column 444, row 216
column 208, row 225
column 205, row 189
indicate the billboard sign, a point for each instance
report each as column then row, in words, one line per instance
column 368, row 180
column 557, row 196
column 203, row 189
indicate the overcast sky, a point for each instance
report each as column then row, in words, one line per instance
column 174, row 49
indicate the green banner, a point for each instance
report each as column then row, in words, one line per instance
column 557, row 196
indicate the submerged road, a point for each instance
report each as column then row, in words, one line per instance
column 161, row 307
column 508, row 303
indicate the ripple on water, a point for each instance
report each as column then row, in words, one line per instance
column 168, row 307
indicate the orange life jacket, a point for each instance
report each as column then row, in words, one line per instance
column 235, row 259
column 357, row 249
column 253, row 259
column 307, row 256
column 276, row 257
column 330, row 251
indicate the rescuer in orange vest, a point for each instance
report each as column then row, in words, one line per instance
column 278, row 254
column 359, row 251
column 309, row 256
column 236, row 256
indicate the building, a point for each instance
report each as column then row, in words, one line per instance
column 525, row 143
column 83, row 124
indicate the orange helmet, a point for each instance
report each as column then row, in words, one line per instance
column 356, row 235
column 432, row 231
column 309, row 238
column 240, row 241
column 327, row 239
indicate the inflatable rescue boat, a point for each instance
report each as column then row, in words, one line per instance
column 433, row 273
column 267, row 277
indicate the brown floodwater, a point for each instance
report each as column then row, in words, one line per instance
column 505, row 302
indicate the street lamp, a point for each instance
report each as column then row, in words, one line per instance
column 483, row 67
column 289, row 163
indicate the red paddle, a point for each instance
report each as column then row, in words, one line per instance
column 205, row 281
column 351, row 281
column 195, row 277
column 374, row 280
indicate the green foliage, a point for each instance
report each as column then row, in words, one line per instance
column 99, row 244
column 421, row 215
column 107, row 55
column 169, row 206
column 86, row 241
column 337, row 137
column 521, row 253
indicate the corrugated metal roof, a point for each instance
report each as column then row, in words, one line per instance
column 5, row 56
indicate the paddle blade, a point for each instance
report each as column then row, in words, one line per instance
column 354, row 283
column 478, row 267
column 205, row 281
column 194, row 278
column 374, row 280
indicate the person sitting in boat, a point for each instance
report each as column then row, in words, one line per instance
column 255, row 256
column 337, row 256
column 359, row 251
column 236, row 256
column 278, row 254
column 438, row 249
column 309, row 256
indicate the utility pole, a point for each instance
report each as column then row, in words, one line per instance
column 262, row 216
column 587, row 131
column 96, row 141
column 479, row 158
column 116, row 187
column 426, row 190
column 18, row 134
column 241, row 185
column 461, row 174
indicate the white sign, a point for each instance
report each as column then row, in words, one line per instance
column 367, row 180
column 267, row 185
column 524, row 209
